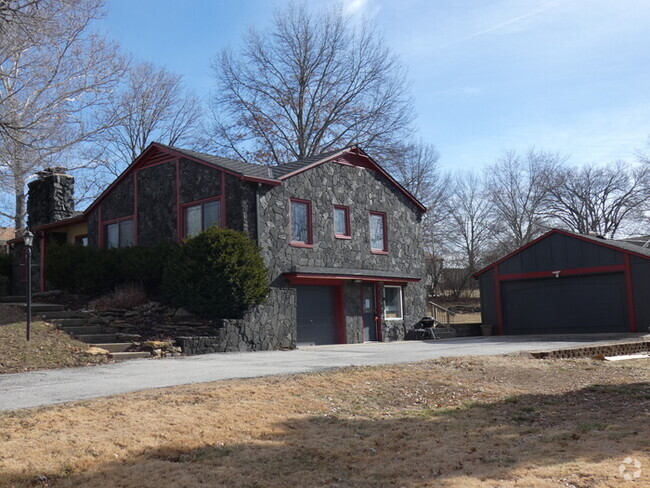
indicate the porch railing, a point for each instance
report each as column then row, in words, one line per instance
column 440, row 314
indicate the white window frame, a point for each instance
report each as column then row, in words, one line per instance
column 401, row 302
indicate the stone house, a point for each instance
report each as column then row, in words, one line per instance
column 340, row 237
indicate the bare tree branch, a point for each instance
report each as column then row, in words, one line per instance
column 310, row 84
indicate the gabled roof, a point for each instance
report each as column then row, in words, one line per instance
column 239, row 167
column 157, row 153
column 619, row 245
column 284, row 171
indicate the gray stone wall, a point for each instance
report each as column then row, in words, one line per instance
column 241, row 206
column 361, row 190
column 119, row 202
column 198, row 181
column 92, row 220
column 50, row 197
column 157, row 204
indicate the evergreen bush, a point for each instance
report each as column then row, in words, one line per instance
column 218, row 274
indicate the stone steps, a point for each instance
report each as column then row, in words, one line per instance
column 37, row 308
column 86, row 330
column 52, row 316
column 13, row 299
column 123, row 356
column 115, row 346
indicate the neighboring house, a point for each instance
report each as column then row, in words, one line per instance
column 6, row 234
column 563, row 282
column 340, row 237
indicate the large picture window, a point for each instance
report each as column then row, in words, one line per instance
column 301, row 232
column 341, row 222
column 378, row 237
column 393, row 303
column 118, row 234
column 201, row 217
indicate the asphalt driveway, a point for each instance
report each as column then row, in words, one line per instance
column 39, row 388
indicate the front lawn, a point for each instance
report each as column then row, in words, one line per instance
column 455, row 422
column 48, row 348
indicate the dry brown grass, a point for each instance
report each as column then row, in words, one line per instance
column 126, row 296
column 48, row 348
column 461, row 422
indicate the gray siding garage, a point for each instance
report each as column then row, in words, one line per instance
column 316, row 315
column 568, row 283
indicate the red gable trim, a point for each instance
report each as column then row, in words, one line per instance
column 563, row 232
column 299, row 277
column 371, row 164
column 157, row 154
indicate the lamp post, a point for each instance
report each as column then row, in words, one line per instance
column 28, row 239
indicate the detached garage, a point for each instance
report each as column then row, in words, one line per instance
column 564, row 282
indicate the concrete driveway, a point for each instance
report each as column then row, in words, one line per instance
column 39, row 388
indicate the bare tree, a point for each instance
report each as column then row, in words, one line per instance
column 470, row 227
column 600, row 199
column 416, row 166
column 312, row 83
column 54, row 73
column 152, row 105
column 519, row 188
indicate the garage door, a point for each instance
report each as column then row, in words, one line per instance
column 579, row 304
column 316, row 316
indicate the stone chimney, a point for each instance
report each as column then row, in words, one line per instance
column 50, row 197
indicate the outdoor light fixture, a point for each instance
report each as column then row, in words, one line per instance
column 28, row 240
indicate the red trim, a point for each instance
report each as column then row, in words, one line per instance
column 629, row 289
column 339, row 308
column 497, row 291
column 310, row 234
column 346, row 213
column 379, row 313
column 152, row 152
column 296, row 278
column 120, row 219
column 370, row 163
column 179, row 217
column 566, row 233
column 100, row 228
column 384, row 250
column 135, row 208
column 563, row 272
column 222, row 210
column 42, row 262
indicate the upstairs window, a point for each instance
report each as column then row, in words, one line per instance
column 201, row 217
column 378, row 238
column 341, row 222
column 119, row 234
column 301, row 231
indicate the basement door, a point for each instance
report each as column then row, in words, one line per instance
column 316, row 315
column 576, row 304
column 369, row 307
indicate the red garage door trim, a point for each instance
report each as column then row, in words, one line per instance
column 625, row 268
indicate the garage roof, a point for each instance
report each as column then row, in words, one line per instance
column 619, row 245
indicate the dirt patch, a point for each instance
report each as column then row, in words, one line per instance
column 48, row 348
column 455, row 422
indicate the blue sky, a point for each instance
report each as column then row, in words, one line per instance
column 488, row 75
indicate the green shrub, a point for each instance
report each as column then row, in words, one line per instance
column 85, row 269
column 218, row 274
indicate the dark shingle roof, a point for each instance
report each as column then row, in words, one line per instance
column 317, row 270
column 239, row 167
column 621, row 244
column 286, row 168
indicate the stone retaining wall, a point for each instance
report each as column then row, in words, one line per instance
column 621, row 349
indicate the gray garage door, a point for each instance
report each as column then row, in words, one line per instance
column 579, row 304
column 316, row 315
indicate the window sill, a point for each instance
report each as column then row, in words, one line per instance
column 301, row 244
column 341, row 236
column 394, row 318
column 377, row 251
